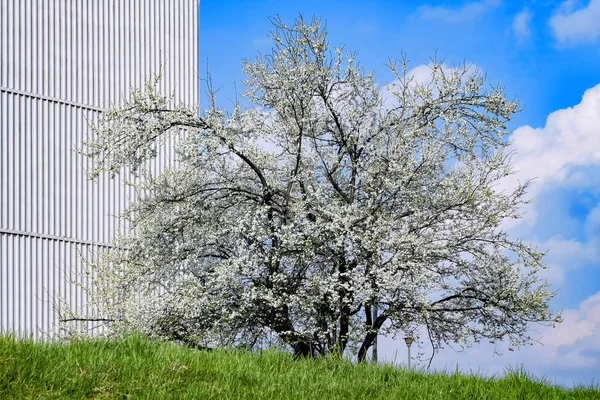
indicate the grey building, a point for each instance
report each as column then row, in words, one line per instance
column 62, row 63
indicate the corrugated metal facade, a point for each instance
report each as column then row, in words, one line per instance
column 63, row 62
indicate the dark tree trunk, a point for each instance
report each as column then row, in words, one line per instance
column 303, row 349
column 344, row 329
column 366, row 344
column 280, row 322
column 370, row 337
column 345, row 298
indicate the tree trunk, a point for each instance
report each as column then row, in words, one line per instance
column 345, row 298
column 362, row 352
column 303, row 349
column 280, row 322
column 370, row 337
column 344, row 329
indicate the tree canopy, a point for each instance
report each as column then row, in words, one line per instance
column 293, row 217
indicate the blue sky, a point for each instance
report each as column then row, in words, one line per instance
column 547, row 55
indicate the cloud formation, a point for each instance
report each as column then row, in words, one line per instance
column 571, row 26
column 565, row 254
column 571, row 138
column 521, row 26
column 467, row 12
column 564, row 157
column 570, row 351
column 578, row 335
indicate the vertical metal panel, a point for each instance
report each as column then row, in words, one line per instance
column 61, row 63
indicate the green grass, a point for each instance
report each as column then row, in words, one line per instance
column 137, row 368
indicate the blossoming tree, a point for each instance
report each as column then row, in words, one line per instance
column 294, row 217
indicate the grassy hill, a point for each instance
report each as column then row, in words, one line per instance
column 136, row 368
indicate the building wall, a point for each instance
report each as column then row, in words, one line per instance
column 62, row 63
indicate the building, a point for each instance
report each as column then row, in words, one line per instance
column 62, row 63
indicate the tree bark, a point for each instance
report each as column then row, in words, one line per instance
column 303, row 349
column 370, row 337
column 345, row 298
column 282, row 324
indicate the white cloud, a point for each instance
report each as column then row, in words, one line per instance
column 570, row 138
column 565, row 255
column 559, row 156
column 521, row 25
column 551, row 154
column 572, row 27
column 571, row 251
column 568, row 353
column 564, row 154
column 467, row 12
column 580, row 325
